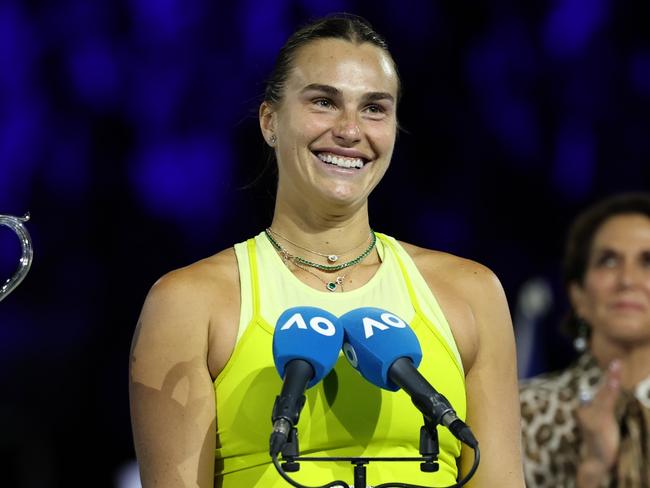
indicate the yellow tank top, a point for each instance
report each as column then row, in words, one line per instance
column 344, row 415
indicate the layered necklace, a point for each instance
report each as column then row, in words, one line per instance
column 305, row 264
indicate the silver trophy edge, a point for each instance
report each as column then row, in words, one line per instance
column 17, row 225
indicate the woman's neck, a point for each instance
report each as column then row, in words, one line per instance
column 326, row 232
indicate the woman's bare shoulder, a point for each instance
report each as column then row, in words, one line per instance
column 200, row 278
column 188, row 297
column 464, row 289
column 446, row 267
column 192, row 312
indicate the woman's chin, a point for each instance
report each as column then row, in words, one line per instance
column 345, row 196
column 630, row 331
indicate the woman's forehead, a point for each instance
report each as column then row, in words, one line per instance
column 623, row 229
column 337, row 61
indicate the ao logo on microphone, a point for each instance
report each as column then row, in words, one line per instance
column 368, row 325
column 386, row 319
column 308, row 333
column 319, row 324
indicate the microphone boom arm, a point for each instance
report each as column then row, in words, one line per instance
column 433, row 405
column 288, row 404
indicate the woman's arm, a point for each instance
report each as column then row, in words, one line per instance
column 171, row 391
column 491, row 381
column 475, row 306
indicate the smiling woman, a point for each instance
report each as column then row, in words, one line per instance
column 587, row 426
column 335, row 125
column 202, row 368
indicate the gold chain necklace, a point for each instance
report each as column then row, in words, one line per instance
column 332, row 258
column 329, row 285
column 322, row 267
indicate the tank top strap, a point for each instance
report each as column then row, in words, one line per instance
column 407, row 280
column 447, row 339
column 255, row 287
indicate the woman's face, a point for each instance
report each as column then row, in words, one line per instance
column 336, row 124
column 615, row 295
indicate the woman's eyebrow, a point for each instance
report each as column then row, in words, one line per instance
column 377, row 96
column 335, row 92
column 604, row 249
column 328, row 89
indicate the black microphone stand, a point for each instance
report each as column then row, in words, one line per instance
column 429, row 450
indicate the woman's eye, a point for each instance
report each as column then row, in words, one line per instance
column 607, row 261
column 323, row 102
column 375, row 109
column 645, row 259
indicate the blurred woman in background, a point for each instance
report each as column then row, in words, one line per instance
column 587, row 426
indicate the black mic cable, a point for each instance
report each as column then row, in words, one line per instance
column 391, row 484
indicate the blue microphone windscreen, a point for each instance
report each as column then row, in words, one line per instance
column 374, row 339
column 308, row 333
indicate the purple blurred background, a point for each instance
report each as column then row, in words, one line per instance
column 128, row 130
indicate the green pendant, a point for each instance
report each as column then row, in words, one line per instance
column 331, row 286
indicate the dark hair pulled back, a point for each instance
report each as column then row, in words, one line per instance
column 349, row 27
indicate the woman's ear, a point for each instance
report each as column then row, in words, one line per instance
column 267, row 116
column 578, row 299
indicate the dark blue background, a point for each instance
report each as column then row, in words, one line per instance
column 128, row 130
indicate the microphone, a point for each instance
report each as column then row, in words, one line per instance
column 386, row 351
column 306, row 345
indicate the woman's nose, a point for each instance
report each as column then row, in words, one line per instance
column 630, row 273
column 347, row 130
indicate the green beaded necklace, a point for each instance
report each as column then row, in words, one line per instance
column 323, row 267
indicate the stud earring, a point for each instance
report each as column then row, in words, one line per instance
column 273, row 140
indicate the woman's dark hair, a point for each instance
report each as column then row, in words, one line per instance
column 344, row 26
column 581, row 236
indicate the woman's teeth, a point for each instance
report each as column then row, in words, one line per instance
column 341, row 161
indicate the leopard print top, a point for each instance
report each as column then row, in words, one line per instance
column 550, row 435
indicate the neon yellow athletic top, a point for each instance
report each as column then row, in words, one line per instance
column 344, row 415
